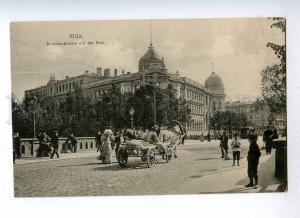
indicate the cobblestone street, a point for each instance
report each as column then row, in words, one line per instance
column 196, row 163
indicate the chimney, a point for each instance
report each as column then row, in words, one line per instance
column 116, row 72
column 86, row 72
column 123, row 71
column 128, row 72
column 99, row 71
column 107, row 72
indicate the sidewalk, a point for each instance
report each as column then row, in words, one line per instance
column 234, row 179
column 63, row 156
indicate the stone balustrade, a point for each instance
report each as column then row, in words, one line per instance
column 30, row 145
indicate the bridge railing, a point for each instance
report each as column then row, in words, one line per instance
column 29, row 146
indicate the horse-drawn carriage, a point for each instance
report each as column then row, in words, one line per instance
column 150, row 153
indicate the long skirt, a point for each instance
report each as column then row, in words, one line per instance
column 106, row 153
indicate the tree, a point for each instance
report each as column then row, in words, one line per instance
column 274, row 77
column 228, row 121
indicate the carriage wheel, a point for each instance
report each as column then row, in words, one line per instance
column 151, row 157
column 122, row 157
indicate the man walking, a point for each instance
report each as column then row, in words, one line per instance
column 224, row 145
column 54, row 142
column 267, row 138
column 98, row 141
column 73, row 141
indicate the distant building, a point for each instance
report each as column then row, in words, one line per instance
column 258, row 115
column 203, row 101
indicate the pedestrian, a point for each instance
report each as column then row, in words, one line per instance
column 55, row 142
column 152, row 135
column 14, row 148
column 208, row 137
column 98, row 141
column 224, row 145
column 253, row 160
column 275, row 134
column 236, row 150
column 43, row 149
column 202, row 137
column 73, row 141
column 267, row 138
column 117, row 142
column 17, row 145
column 107, row 141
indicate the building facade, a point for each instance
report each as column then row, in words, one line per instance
column 202, row 100
column 258, row 115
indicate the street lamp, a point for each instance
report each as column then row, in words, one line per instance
column 154, row 102
column 131, row 112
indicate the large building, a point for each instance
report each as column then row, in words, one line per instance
column 203, row 100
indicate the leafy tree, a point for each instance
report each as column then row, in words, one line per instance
column 228, row 121
column 274, row 77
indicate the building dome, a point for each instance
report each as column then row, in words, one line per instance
column 151, row 55
column 214, row 82
column 150, row 58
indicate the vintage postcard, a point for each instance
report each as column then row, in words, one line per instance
column 149, row 107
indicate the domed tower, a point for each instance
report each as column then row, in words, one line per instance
column 215, row 84
column 151, row 61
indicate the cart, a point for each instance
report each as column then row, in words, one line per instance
column 150, row 153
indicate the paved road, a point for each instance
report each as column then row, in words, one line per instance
column 86, row 176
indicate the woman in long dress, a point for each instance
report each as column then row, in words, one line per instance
column 107, row 142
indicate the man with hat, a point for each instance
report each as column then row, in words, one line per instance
column 224, row 145
column 73, row 141
column 54, row 142
column 253, row 160
column 267, row 138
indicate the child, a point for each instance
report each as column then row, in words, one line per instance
column 253, row 160
column 236, row 150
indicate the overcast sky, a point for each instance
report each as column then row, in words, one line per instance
column 236, row 46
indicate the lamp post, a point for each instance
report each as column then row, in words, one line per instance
column 154, row 102
column 131, row 112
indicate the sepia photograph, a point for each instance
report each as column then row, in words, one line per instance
column 149, row 107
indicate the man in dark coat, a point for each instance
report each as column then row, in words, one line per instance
column 73, row 141
column 267, row 138
column 17, row 146
column 54, row 142
column 43, row 149
column 98, row 141
column 224, row 145
column 253, row 160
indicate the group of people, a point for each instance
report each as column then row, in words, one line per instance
column 46, row 142
column 107, row 141
column 252, row 157
column 254, row 152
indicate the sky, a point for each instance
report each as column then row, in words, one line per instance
column 236, row 47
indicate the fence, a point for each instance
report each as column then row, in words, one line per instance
column 30, row 145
